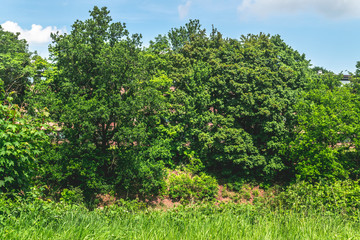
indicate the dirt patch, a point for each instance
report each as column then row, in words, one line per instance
column 163, row 203
column 105, row 200
column 246, row 195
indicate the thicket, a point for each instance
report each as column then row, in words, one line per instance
column 22, row 139
column 246, row 110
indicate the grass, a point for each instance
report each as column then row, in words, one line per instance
column 302, row 211
column 184, row 222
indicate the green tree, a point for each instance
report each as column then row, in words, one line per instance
column 326, row 133
column 234, row 98
column 320, row 70
column 107, row 99
column 15, row 65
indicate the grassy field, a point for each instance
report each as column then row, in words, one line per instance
column 56, row 221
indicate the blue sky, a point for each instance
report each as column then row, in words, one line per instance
column 325, row 30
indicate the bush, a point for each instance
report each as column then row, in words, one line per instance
column 339, row 196
column 236, row 186
column 150, row 179
column 72, row 196
column 21, row 140
column 184, row 186
column 326, row 135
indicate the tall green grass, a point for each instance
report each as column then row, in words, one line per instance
column 190, row 222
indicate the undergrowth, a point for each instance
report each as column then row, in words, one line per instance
column 301, row 211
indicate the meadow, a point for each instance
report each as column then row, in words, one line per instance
column 44, row 219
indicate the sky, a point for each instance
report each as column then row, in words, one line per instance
column 326, row 31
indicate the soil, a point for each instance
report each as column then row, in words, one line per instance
column 164, row 203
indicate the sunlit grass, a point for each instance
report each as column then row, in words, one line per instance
column 196, row 222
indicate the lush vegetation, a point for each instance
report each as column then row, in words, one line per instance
column 43, row 219
column 191, row 223
column 191, row 118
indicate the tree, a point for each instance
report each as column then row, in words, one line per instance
column 320, row 70
column 15, row 65
column 22, row 137
column 106, row 98
column 234, row 98
column 357, row 71
column 257, row 85
column 326, row 134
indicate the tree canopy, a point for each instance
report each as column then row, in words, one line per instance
column 251, row 108
column 15, row 65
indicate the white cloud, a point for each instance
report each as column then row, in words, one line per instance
column 183, row 10
column 332, row 9
column 36, row 35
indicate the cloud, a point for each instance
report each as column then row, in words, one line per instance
column 333, row 9
column 183, row 10
column 36, row 35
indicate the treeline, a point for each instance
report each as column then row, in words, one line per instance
column 107, row 114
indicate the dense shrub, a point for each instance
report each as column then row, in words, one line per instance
column 72, row 196
column 22, row 139
column 140, row 178
column 326, row 134
column 186, row 186
column 131, row 176
column 339, row 196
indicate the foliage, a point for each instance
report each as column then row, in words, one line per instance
column 109, row 104
column 320, row 70
column 37, row 209
column 22, row 139
column 187, row 187
column 236, row 186
column 248, row 109
column 46, row 220
column 15, row 65
column 72, row 196
column 339, row 196
column 233, row 99
column 326, row 134
column 139, row 178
